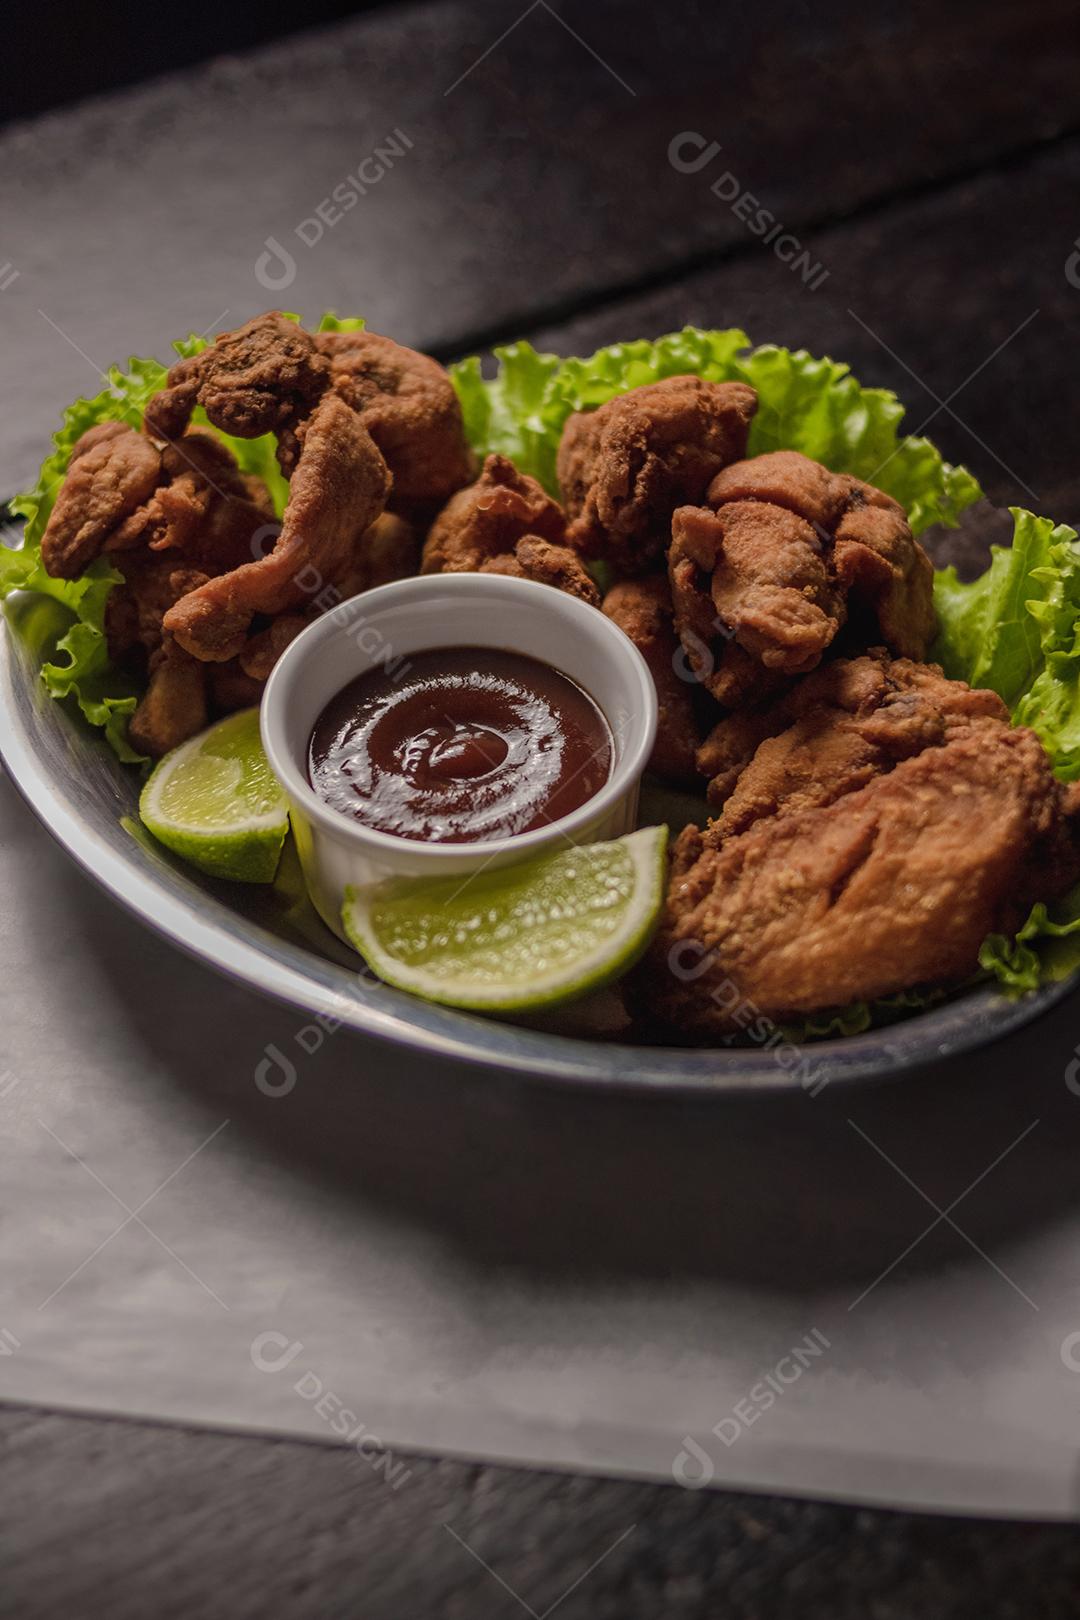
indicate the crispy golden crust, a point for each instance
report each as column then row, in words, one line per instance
column 547, row 564
column 890, row 885
column 506, row 523
column 851, row 720
column 122, row 495
column 409, row 406
column 625, row 467
column 643, row 609
column 262, row 378
column 112, row 473
column 338, row 489
column 388, row 550
column 174, row 705
column 487, row 520
column 786, row 554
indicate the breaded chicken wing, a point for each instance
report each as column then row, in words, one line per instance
column 624, row 468
column 338, row 489
column 832, row 732
column 872, row 849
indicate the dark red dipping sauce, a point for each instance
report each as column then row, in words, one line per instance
column 463, row 745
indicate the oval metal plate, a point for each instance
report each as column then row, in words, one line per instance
column 72, row 781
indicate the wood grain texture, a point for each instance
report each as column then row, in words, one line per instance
column 102, row 1517
column 963, row 302
column 537, row 175
column 904, row 148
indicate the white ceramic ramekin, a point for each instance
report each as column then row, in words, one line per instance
column 385, row 626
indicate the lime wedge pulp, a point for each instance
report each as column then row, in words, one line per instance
column 215, row 801
column 515, row 937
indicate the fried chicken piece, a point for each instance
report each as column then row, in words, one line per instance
column 134, row 610
column 643, row 609
column 261, row 652
column 338, row 489
column 174, row 705
column 753, row 599
column 388, row 550
column 881, row 567
column 122, row 493
column 230, row 688
column 113, row 471
column 488, row 518
column 849, row 721
column 547, row 564
column 264, row 377
column 891, row 885
column 482, row 524
column 205, row 507
column 410, row 407
column 625, row 467
column 765, row 580
column 506, row 523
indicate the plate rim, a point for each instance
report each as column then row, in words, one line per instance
column 959, row 1026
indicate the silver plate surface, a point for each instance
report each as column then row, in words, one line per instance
column 87, row 800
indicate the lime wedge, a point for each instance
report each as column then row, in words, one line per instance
column 515, row 937
column 215, row 801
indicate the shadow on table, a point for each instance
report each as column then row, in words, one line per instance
column 789, row 1191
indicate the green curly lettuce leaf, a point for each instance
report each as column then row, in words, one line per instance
column 338, row 323
column 1046, row 949
column 1016, row 630
column 808, row 404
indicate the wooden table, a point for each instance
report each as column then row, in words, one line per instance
column 557, row 180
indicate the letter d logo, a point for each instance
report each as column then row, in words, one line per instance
column 693, row 1467
column 276, row 268
column 272, row 1352
column 275, row 1059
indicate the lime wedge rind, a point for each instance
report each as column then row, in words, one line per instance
column 214, row 802
column 517, row 938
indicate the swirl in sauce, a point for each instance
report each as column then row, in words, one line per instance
column 463, row 745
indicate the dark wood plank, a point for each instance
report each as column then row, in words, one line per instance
column 536, row 185
column 103, row 1517
column 976, row 293
column 109, row 46
column 537, row 172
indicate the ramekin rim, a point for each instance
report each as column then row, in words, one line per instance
column 293, row 778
